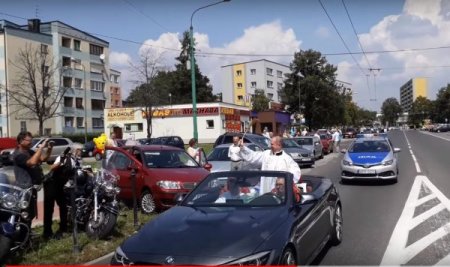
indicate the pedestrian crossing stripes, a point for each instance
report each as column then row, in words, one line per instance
column 422, row 233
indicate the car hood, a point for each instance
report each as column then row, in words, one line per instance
column 368, row 158
column 296, row 150
column 205, row 236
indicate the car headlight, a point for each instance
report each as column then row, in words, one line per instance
column 120, row 257
column 257, row 259
column 347, row 163
column 311, row 155
column 9, row 201
column 388, row 162
column 294, row 155
column 169, row 184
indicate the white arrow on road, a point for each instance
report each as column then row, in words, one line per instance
column 398, row 251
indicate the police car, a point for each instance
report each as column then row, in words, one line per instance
column 370, row 158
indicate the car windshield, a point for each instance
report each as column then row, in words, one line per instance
column 305, row 141
column 239, row 189
column 169, row 159
column 261, row 141
column 289, row 143
column 370, row 146
column 219, row 154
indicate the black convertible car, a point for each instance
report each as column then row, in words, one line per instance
column 241, row 218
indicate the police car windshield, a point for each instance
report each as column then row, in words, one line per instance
column 365, row 146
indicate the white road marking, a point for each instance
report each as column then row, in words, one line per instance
column 397, row 251
column 437, row 136
column 416, row 163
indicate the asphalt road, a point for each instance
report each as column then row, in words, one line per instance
column 393, row 224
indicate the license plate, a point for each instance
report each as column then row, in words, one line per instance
column 306, row 159
column 366, row 171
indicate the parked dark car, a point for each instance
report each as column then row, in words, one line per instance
column 175, row 141
column 227, row 138
column 350, row 133
column 161, row 172
column 229, row 220
column 90, row 150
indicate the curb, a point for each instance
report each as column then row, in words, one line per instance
column 95, row 262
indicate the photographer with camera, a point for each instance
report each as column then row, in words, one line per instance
column 54, row 183
column 27, row 165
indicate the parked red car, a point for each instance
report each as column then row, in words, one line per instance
column 7, row 142
column 327, row 143
column 161, row 173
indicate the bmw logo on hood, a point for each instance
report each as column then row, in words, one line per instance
column 169, row 260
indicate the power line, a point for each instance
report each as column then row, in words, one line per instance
column 145, row 15
column 356, row 34
column 340, row 36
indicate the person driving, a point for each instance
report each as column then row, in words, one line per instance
column 280, row 188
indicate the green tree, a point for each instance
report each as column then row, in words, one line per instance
column 420, row 110
column 260, row 102
column 391, row 110
column 178, row 82
column 442, row 105
column 316, row 93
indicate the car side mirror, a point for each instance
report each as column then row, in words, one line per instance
column 343, row 150
column 208, row 166
column 179, row 197
column 396, row 150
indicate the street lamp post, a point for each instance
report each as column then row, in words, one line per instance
column 192, row 59
column 85, row 98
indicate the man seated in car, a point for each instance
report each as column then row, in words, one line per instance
column 280, row 188
column 231, row 191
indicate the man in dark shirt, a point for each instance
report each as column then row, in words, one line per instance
column 27, row 164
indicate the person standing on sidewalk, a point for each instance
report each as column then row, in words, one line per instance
column 234, row 154
column 27, row 166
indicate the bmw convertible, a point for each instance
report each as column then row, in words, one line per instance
column 241, row 218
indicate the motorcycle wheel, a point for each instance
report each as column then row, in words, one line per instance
column 5, row 245
column 103, row 227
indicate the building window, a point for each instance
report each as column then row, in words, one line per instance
column 65, row 42
column 269, row 71
column 66, row 61
column 79, row 102
column 116, row 103
column 240, row 98
column 76, row 45
column 239, row 85
column 48, row 131
column 45, row 69
column 133, row 127
column 68, row 121
column 239, row 73
column 97, row 104
column 23, row 126
column 97, row 122
column 96, row 68
column 67, row 82
column 209, row 124
column 279, row 74
column 252, row 71
column 279, row 86
column 270, row 96
column 80, row 122
column 97, row 86
column 95, row 49
column 78, row 82
column 68, row 102
column 269, row 84
column 44, row 49
column 253, row 84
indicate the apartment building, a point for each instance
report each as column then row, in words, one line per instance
column 241, row 80
column 411, row 90
column 84, row 75
column 116, row 93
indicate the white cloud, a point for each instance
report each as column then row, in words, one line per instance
column 118, row 59
column 422, row 24
column 322, row 32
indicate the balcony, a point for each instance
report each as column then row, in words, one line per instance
column 97, row 95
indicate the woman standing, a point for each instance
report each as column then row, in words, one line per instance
column 192, row 150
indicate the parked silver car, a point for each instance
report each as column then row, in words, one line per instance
column 370, row 158
column 312, row 143
column 220, row 161
column 60, row 144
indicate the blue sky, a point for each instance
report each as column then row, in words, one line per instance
column 269, row 27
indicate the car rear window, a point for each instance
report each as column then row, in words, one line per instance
column 305, row 141
column 219, row 154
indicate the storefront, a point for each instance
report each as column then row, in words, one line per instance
column 213, row 119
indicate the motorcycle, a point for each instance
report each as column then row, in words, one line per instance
column 15, row 219
column 96, row 206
